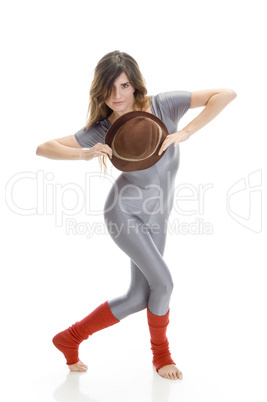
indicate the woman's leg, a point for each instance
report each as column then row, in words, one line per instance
column 105, row 315
column 145, row 249
column 162, row 359
column 68, row 341
column 137, row 296
column 135, row 239
column 135, row 299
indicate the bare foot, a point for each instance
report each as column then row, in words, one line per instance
column 171, row 372
column 80, row 366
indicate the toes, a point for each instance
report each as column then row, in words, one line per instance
column 83, row 367
column 81, row 364
column 170, row 373
column 171, row 376
column 80, row 367
column 174, row 376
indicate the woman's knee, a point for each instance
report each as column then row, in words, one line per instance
column 137, row 301
column 164, row 288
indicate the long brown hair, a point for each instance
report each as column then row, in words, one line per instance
column 108, row 69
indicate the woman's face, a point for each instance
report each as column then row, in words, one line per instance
column 122, row 98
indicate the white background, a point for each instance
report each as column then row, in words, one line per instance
column 52, row 277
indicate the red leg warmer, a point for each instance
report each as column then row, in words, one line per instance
column 159, row 342
column 68, row 341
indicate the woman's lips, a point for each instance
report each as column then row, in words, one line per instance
column 117, row 103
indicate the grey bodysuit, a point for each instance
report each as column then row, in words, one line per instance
column 137, row 210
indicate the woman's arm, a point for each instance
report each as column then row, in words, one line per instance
column 214, row 101
column 67, row 148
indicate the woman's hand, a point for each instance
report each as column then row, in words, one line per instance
column 214, row 101
column 67, row 148
column 174, row 138
column 97, row 150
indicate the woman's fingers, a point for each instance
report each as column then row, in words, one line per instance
column 174, row 138
column 102, row 149
column 166, row 143
column 103, row 154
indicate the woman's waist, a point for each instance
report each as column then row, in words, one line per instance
column 130, row 197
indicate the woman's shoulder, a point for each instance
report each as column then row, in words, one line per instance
column 97, row 127
column 172, row 103
column 89, row 136
column 171, row 95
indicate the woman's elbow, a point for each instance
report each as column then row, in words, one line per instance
column 39, row 150
column 42, row 150
column 231, row 94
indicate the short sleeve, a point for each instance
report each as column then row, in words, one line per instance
column 87, row 138
column 175, row 104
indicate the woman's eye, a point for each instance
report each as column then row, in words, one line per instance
column 125, row 85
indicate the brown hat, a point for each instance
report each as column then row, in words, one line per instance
column 135, row 139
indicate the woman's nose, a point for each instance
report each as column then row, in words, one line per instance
column 116, row 93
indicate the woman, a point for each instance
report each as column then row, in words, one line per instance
column 117, row 89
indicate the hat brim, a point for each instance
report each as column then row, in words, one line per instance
column 128, row 166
